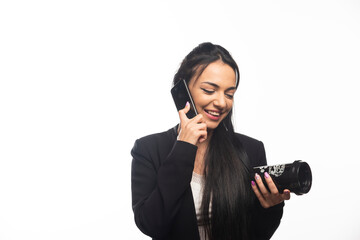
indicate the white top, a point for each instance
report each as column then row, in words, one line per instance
column 197, row 187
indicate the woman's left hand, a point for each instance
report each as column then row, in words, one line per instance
column 268, row 199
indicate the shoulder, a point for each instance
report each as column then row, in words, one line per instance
column 154, row 146
column 246, row 139
column 254, row 149
column 152, row 150
column 158, row 138
column 249, row 142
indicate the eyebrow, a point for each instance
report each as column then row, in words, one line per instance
column 217, row 86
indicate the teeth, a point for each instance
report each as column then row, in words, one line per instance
column 214, row 113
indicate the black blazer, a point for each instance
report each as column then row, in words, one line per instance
column 162, row 199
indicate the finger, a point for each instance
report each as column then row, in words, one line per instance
column 258, row 194
column 261, row 186
column 199, row 118
column 201, row 130
column 272, row 187
column 286, row 194
column 203, row 136
column 201, row 126
column 182, row 112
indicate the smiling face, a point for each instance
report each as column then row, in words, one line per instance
column 213, row 92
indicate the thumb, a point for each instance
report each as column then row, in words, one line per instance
column 182, row 112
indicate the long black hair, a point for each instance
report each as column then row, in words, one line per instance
column 227, row 179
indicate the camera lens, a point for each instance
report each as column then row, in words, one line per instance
column 305, row 177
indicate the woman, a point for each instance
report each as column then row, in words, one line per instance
column 194, row 180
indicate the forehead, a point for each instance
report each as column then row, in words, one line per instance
column 217, row 72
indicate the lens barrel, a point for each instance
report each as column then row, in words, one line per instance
column 294, row 176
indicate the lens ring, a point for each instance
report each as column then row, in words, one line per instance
column 304, row 177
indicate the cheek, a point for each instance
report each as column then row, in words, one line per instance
column 230, row 104
column 201, row 100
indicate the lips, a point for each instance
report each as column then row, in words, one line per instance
column 213, row 114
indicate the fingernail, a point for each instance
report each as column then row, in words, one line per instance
column 187, row 104
column 266, row 175
column 253, row 183
column 257, row 177
column 287, row 192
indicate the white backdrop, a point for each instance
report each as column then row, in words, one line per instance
column 81, row 80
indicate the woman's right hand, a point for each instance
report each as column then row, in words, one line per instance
column 192, row 130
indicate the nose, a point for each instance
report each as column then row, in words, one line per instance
column 220, row 101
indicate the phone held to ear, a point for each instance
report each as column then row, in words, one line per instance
column 181, row 94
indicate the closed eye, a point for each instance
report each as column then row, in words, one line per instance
column 207, row 91
column 230, row 96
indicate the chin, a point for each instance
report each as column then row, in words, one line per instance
column 212, row 126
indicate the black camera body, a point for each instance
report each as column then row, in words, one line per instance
column 294, row 176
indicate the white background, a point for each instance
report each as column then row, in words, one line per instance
column 81, row 80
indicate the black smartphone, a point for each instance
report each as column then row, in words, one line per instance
column 181, row 94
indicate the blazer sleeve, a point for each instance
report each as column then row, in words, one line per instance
column 159, row 184
column 265, row 221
